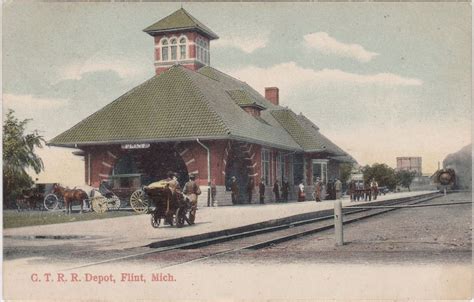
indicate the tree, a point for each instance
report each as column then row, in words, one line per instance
column 383, row 174
column 405, row 178
column 19, row 156
column 345, row 171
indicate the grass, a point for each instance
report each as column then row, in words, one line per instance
column 15, row 219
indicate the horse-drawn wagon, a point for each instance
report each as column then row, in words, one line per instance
column 163, row 202
column 98, row 200
column 32, row 198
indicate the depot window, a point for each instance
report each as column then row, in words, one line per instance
column 280, row 167
column 164, row 50
column 182, row 48
column 298, row 169
column 266, row 158
column 320, row 169
column 174, row 49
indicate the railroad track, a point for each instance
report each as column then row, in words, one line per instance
column 189, row 252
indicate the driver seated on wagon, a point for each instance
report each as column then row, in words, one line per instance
column 159, row 192
column 104, row 189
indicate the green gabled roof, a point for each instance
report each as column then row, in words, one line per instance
column 234, row 84
column 180, row 20
column 311, row 128
column 178, row 104
column 168, row 106
column 243, row 98
column 289, row 121
column 182, row 104
column 305, row 132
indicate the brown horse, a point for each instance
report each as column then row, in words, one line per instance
column 70, row 196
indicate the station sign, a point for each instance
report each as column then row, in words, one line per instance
column 135, row 146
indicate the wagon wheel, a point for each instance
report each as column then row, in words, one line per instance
column 139, row 201
column 99, row 204
column 180, row 217
column 113, row 203
column 51, row 202
column 155, row 220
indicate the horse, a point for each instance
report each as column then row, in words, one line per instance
column 70, row 196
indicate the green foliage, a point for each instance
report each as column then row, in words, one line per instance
column 345, row 170
column 404, row 178
column 383, row 174
column 18, row 156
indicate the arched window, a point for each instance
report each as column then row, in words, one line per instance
column 198, row 49
column 182, row 48
column 164, row 50
column 206, row 53
column 174, row 49
column 202, row 51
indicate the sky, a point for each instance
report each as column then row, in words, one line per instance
column 381, row 80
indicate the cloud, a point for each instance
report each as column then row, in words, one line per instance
column 16, row 101
column 247, row 44
column 290, row 77
column 124, row 68
column 326, row 44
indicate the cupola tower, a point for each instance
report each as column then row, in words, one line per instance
column 181, row 39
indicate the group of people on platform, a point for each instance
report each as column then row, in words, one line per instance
column 358, row 190
column 330, row 191
column 280, row 192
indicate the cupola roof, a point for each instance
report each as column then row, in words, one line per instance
column 180, row 20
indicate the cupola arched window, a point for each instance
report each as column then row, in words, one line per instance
column 182, row 48
column 174, row 49
column 164, row 50
column 202, row 51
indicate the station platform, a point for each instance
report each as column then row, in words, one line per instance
column 136, row 230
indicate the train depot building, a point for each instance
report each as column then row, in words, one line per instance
column 192, row 118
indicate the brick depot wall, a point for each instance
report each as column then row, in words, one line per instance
column 194, row 156
column 102, row 161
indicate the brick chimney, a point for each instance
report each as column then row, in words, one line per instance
column 271, row 94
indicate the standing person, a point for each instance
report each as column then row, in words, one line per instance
column 375, row 188
column 330, row 193
column 318, row 186
column 276, row 190
column 367, row 191
column 250, row 186
column 213, row 190
column 261, row 191
column 359, row 190
column 338, row 188
column 192, row 190
column 175, row 189
column 352, row 190
column 301, row 194
column 235, row 190
column 285, row 188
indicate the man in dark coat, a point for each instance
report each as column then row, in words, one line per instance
column 250, row 186
column 276, row 190
column 234, row 187
column 285, row 188
column 261, row 191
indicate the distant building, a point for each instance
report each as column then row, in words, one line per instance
column 411, row 163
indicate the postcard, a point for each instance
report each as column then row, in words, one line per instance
column 237, row 151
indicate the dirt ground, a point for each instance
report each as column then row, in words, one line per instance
column 420, row 253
